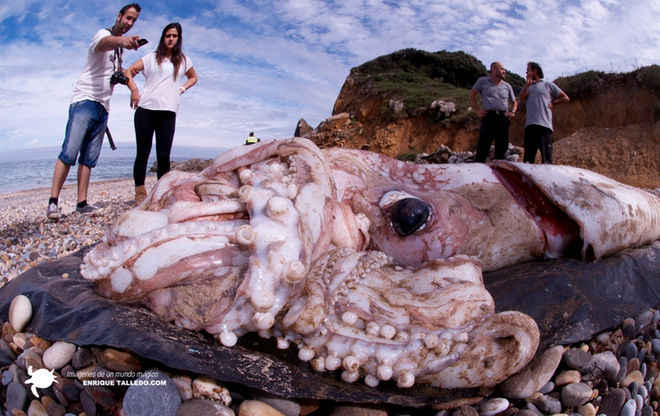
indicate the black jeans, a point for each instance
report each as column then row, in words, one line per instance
column 538, row 138
column 146, row 123
column 494, row 125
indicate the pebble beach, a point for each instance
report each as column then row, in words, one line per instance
column 28, row 238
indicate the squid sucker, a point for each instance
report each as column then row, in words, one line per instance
column 371, row 266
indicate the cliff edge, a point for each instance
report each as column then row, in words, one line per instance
column 414, row 101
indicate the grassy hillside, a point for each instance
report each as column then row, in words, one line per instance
column 586, row 84
column 418, row 77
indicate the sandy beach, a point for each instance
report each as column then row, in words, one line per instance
column 29, row 238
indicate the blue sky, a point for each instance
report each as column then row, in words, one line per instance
column 262, row 65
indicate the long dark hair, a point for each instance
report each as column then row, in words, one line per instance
column 177, row 54
column 536, row 67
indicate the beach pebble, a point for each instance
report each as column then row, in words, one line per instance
column 628, row 327
column 603, row 338
column 68, row 388
column 647, row 410
column 493, row 406
column 7, row 356
column 36, row 409
column 578, row 359
column 30, row 358
column 633, row 376
column 629, row 408
column 547, row 388
column 87, row 403
column 40, row 342
column 157, row 396
column 20, row 312
column 15, row 396
column 567, row 377
column 286, row 407
column 257, row 408
column 644, row 319
column 52, row 407
column 606, row 364
column 198, row 407
column 207, row 388
column 184, row 386
column 534, row 376
column 630, row 350
column 613, row 402
column 546, row 404
column 587, row 410
column 58, row 355
column 575, row 394
column 461, row 411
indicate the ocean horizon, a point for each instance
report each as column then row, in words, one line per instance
column 25, row 169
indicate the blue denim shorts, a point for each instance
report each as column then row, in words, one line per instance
column 84, row 133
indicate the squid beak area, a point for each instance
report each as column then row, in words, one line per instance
column 562, row 233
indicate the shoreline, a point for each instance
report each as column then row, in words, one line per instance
column 28, row 238
column 66, row 186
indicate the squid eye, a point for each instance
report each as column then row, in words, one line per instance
column 409, row 215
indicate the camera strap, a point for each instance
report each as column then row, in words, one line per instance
column 119, row 52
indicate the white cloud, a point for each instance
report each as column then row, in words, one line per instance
column 264, row 64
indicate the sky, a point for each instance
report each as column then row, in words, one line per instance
column 263, row 65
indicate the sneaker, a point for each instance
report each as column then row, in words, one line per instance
column 87, row 209
column 53, row 212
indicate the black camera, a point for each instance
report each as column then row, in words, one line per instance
column 118, row 77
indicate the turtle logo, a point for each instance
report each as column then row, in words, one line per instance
column 41, row 378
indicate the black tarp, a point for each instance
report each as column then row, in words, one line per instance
column 570, row 300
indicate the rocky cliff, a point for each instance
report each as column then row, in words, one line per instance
column 414, row 101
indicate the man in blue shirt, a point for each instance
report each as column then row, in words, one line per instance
column 496, row 95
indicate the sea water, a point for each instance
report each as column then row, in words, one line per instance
column 33, row 168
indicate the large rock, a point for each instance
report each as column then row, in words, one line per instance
column 534, row 376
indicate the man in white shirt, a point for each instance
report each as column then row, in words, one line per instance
column 90, row 104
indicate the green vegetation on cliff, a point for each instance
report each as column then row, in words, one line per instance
column 589, row 83
column 417, row 77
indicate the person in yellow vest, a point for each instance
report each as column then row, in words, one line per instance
column 251, row 139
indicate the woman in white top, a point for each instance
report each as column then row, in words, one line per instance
column 156, row 108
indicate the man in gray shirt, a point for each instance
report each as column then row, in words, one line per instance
column 541, row 96
column 496, row 95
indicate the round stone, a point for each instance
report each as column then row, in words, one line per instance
column 655, row 343
column 547, row 388
column 15, row 396
column 58, row 355
column 257, row 408
column 629, row 327
column 578, row 359
column 630, row 350
column 612, row 402
column 568, row 377
column 575, row 394
column 629, row 408
column 547, row 404
column 153, row 393
column 493, row 406
column 20, row 312
column 605, row 363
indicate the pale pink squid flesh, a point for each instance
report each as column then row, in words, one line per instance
column 304, row 245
